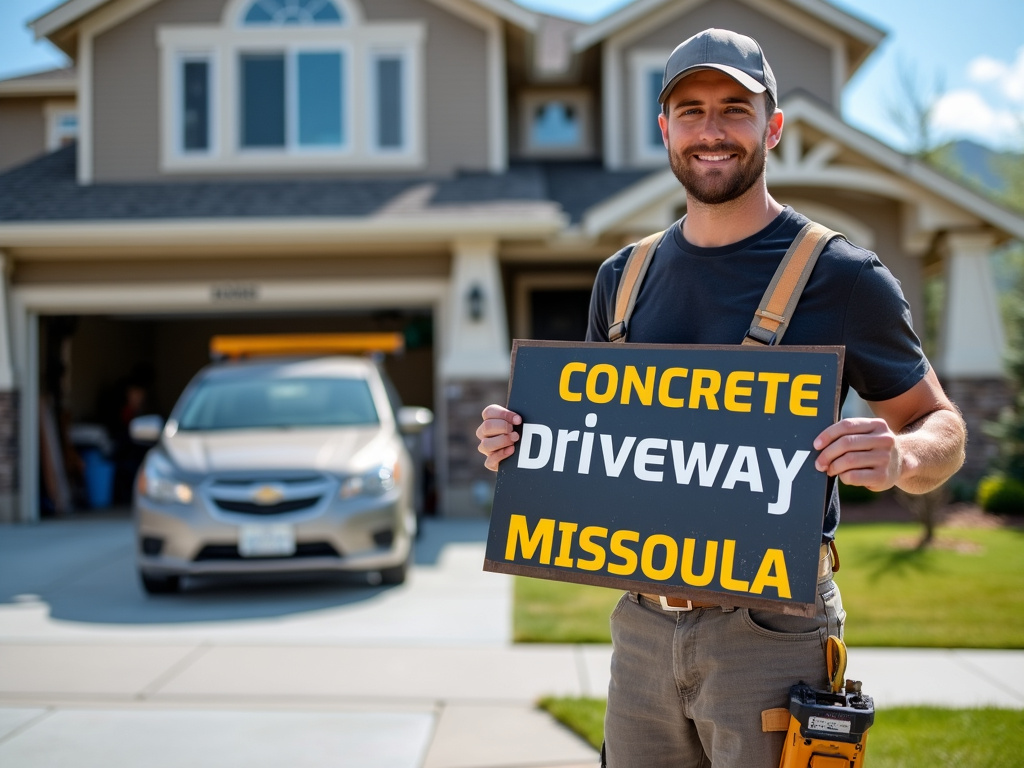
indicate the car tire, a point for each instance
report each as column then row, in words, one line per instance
column 397, row 573
column 160, row 585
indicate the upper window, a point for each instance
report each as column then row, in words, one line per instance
column 555, row 123
column 293, row 12
column 292, row 84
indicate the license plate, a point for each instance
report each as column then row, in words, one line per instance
column 266, row 540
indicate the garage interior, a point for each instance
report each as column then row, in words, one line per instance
column 99, row 371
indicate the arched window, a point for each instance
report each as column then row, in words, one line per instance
column 272, row 12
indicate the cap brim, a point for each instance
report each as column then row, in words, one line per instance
column 739, row 76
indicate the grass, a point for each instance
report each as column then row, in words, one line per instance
column 903, row 737
column 967, row 592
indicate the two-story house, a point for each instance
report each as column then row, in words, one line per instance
column 452, row 169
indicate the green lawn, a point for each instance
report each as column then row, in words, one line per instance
column 966, row 593
column 910, row 737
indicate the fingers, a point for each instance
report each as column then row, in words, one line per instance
column 497, row 435
column 859, row 452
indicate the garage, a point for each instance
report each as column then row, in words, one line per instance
column 119, row 350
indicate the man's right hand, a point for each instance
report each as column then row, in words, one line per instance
column 497, row 438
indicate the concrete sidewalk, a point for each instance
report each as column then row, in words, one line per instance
column 322, row 672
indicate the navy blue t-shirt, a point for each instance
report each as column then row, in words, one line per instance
column 694, row 295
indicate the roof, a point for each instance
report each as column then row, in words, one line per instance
column 50, row 82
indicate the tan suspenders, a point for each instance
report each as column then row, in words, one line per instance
column 777, row 305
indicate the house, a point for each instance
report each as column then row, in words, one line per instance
column 452, row 169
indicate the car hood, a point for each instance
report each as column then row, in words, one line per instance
column 351, row 449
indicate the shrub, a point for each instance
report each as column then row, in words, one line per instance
column 1001, row 495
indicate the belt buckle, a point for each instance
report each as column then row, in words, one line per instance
column 678, row 608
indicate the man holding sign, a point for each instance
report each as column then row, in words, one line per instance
column 690, row 678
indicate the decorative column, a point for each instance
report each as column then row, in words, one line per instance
column 474, row 372
column 9, row 486
column 972, row 344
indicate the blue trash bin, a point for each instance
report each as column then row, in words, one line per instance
column 99, row 479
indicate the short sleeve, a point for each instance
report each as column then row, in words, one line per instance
column 884, row 358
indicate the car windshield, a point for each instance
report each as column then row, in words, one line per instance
column 269, row 403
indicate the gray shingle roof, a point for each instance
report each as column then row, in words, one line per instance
column 45, row 189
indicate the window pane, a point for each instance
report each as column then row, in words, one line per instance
column 196, row 112
column 655, row 76
column 293, row 12
column 320, row 99
column 389, row 103
column 263, row 100
column 555, row 124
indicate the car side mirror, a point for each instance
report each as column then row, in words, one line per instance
column 146, row 429
column 412, row 420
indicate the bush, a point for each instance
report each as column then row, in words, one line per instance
column 1001, row 495
column 856, row 494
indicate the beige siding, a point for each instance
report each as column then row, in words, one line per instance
column 798, row 62
column 22, row 130
column 127, row 76
column 126, row 89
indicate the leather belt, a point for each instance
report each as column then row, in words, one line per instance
column 681, row 604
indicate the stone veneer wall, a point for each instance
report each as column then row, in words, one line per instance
column 9, row 485
column 980, row 400
column 470, row 485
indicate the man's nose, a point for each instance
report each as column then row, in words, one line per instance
column 711, row 128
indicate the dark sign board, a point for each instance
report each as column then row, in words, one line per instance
column 673, row 470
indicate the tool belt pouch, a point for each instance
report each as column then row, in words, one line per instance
column 824, row 730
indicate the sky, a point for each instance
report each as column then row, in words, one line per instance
column 971, row 53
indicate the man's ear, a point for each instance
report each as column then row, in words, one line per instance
column 663, row 124
column 773, row 134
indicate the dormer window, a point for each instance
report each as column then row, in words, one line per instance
column 556, row 124
column 304, row 84
column 293, row 12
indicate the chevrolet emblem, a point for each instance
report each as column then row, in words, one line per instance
column 267, row 495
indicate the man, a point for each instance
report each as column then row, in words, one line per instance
column 688, row 686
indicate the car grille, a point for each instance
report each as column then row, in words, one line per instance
column 230, row 552
column 274, row 495
column 252, row 508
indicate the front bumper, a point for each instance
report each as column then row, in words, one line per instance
column 363, row 534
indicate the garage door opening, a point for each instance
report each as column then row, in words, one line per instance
column 99, row 371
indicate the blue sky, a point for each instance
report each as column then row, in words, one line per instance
column 975, row 49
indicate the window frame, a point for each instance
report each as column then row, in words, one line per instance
column 359, row 43
column 182, row 58
column 642, row 64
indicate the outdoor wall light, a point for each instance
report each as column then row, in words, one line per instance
column 475, row 303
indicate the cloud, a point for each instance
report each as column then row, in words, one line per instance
column 1008, row 78
column 966, row 113
column 993, row 111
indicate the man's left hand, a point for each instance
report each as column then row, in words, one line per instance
column 860, row 451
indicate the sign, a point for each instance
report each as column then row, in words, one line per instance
column 675, row 470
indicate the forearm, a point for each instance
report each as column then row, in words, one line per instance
column 930, row 450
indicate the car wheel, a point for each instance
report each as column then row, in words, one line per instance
column 395, row 574
column 160, row 585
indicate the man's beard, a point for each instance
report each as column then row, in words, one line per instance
column 718, row 188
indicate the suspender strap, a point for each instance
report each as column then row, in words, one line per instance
column 629, row 284
column 780, row 299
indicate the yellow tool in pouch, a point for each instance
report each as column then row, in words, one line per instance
column 828, row 729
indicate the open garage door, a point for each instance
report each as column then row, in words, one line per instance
column 97, row 371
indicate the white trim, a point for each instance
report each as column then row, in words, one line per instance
column 497, row 103
column 611, row 107
column 7, row 378
column 530, row 220
column 642, row 64
column 84, row 161
column 27, row 85
column 53, row 112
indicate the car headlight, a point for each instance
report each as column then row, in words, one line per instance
column 374, row 483
column 158, row 482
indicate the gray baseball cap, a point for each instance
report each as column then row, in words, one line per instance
column 738, row 56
